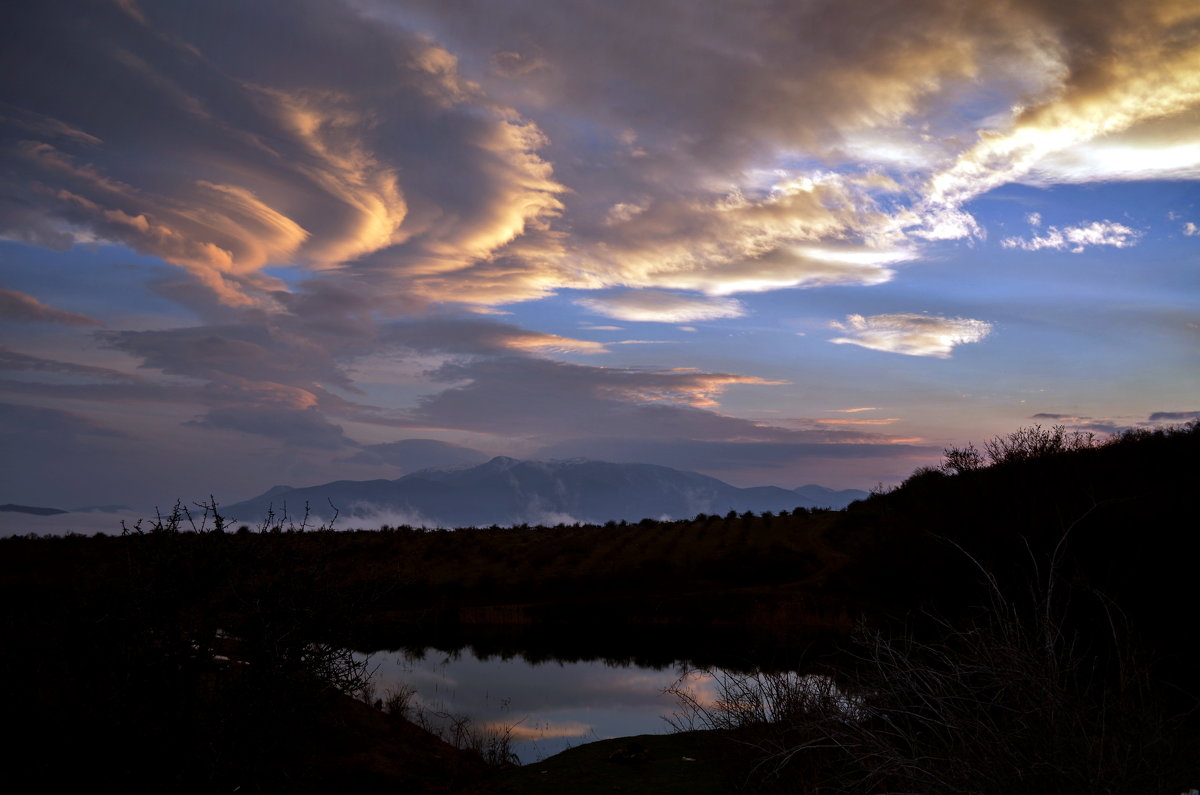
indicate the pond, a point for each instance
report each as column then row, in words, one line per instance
column 543, row 708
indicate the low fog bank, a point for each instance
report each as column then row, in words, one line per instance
column 15, row 523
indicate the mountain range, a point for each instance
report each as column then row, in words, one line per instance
column 506, row 491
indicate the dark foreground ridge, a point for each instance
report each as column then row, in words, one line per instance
column 1042, row 591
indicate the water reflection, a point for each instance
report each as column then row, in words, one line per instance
column 545, row 707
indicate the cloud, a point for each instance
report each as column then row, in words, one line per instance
column 1078, row 423
column 46, row 423
column 1174, row 416
column 797, row 232
column 912, row 335
column 12, row 360
column 522, row 396
column 691, row 177
column 276, row 366
column 1077, row 238
column 806, row 455
column 877, row 421
column 1190, row 229
column 318, row 161
column 19, row 306
column 294, row 427
column 1087, row 97
column 456, row 335
column 483, row 155
column 410, row 455
column 341, row 184
column 661, row 307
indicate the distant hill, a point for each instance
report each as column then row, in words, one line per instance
column 814, row 496
column 506, row 491
column 31, row 510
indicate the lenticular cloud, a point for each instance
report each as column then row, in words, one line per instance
column 912, row 335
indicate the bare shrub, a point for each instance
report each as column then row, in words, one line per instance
column 1023, row 444
column 398, row 701
column 758, row 698
column 963, row 459
column 1014, row 700
column 491, row 742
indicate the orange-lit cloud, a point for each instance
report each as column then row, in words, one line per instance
column 442, row 178
column 661, row 307
column 691, row 388
column 1149, row 73
column 239, row 165
column 552, row 343
column 16, row 305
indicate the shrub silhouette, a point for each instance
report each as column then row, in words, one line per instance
column 1023, row 444
column 1011, row 700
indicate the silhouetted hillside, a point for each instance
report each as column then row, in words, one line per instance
column 1116, row 521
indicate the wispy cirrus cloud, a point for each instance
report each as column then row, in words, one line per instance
column 912, row 335
column 1077, row 238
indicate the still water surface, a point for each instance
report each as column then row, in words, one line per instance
column 551, row 706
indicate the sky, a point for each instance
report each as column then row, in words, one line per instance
column 256, row 242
